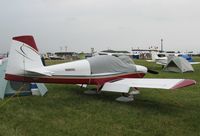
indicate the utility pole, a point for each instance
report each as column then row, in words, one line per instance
column 161, row 45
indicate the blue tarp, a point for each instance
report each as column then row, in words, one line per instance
column 187, row 57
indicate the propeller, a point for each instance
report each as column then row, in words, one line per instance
column 152, row 71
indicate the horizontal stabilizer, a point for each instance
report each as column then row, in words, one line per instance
column 38, row 71
column 125, row 84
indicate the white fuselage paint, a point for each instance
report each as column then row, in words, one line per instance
column 80, row 67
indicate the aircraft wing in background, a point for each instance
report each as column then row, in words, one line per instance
column 193, row 63
column 162, row 63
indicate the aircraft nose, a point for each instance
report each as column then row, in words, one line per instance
column 141, row 69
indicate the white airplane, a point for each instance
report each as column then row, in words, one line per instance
column 158, row 57
column 163, row 58
column 108, row 73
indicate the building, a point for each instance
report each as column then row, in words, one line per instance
column 67, row 55
column 114, row 53
column 143, row 53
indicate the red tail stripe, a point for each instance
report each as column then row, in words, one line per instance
column 27, row 39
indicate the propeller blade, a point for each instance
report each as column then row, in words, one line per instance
column 152, row 71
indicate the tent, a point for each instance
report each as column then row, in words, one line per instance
column 8, row 88
column 178, row 64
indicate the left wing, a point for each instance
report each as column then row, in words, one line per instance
column 125, row 84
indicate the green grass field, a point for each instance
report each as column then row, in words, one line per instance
column 66, row 110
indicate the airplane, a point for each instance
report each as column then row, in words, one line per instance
column 158, row 57
column 163, row 58
column 107, row 73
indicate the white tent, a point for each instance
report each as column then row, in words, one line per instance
column 19, row 88
column 178, row 64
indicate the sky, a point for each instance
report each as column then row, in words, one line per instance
column 80, row 25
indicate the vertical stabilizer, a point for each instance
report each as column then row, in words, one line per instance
column 23, row 56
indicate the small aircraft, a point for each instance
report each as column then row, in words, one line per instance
column 162, row 58
column 108, row 73
column 159, row 57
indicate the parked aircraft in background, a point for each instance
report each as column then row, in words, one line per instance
column 54, row 57
column 163, row 57
column 108, row 73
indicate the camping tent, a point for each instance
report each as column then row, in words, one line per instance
column 178, row 64
column 19, row 88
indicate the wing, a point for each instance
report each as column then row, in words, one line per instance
column 161, row 63
column 150, row 60
column 194, row 63
column 125, row 84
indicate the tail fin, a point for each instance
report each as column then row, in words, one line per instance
column 23, row 57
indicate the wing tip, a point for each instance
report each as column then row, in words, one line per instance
column 184, row 83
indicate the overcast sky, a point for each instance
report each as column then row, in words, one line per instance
column 102, row 24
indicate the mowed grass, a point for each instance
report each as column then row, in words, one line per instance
column 66, row 110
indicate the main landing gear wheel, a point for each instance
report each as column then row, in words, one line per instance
column 128, row 97
column 125, row 98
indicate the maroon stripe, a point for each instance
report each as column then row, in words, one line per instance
column 27, row 39
column 184, row 83
column 72, row 80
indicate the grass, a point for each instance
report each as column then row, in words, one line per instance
column 66, row 110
